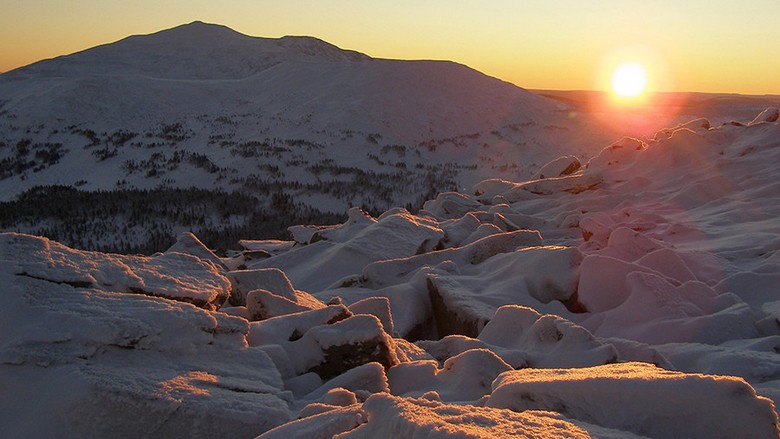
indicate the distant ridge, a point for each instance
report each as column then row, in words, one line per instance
column 196, row 50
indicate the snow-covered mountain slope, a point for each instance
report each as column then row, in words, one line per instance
column 632, row 296
column 205, row 89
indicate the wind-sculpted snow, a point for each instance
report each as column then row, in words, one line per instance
column 642, row 399
column 634, row 296
column 173, row 275
column 84, row 362
column 387, row 416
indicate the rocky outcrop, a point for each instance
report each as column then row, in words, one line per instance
column 175, row 276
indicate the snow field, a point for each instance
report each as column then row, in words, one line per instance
column 528, row 308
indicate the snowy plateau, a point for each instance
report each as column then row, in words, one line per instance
column 548, row 275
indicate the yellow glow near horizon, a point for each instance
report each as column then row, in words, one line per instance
column 704, row 45
column 629, row 80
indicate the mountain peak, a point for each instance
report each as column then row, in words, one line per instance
column 196, row 28
column 195, row 50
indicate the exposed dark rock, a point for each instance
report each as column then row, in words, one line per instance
column 447, row 319
column 339, row 359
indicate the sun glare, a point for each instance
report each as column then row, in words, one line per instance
column 629, row 80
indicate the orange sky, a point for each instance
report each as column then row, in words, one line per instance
column 695, row 45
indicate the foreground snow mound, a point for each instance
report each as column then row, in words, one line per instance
column 642, row 399
column 82, row 362
column 383, row 415
column 176, row 276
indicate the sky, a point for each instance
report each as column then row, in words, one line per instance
column 693, row 45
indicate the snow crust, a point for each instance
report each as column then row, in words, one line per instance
column 78, row 362
column 636, row 397
column 172, row 275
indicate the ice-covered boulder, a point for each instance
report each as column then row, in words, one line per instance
column 756, row 360
column 522, row 337
column 262, row 304
column 189, row 244
column 622, row 152
column 573, row 184
column 456, row 230
column 327, row 425
column 255, row 251
column 487, row 189
column 525, row 338
column 562, row 166
column 361, row 380
column 449, row 205
column 272, row 293
column 83, row 362
column 327, row 341
column 542, row 278
column 237, row 311
column 391, row 271
column 317, row 266
column 272, row 280
column 357, row 220
column 463, row 377
column 407, row 298
column 378, row 307
column 175, row 276
column 636, row 397
column 347, row 344
column 270, row 247
column 292, row 326
column 700, row 124
column 629, row 245
column 684, row 156
column 483, row 231
column 668, row 263
column 333, row 399
column 771, row 114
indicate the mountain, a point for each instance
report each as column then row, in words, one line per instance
column 632, row 295
column 203, row 107
column 204, row 69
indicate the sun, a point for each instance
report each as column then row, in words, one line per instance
column 629, row 80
